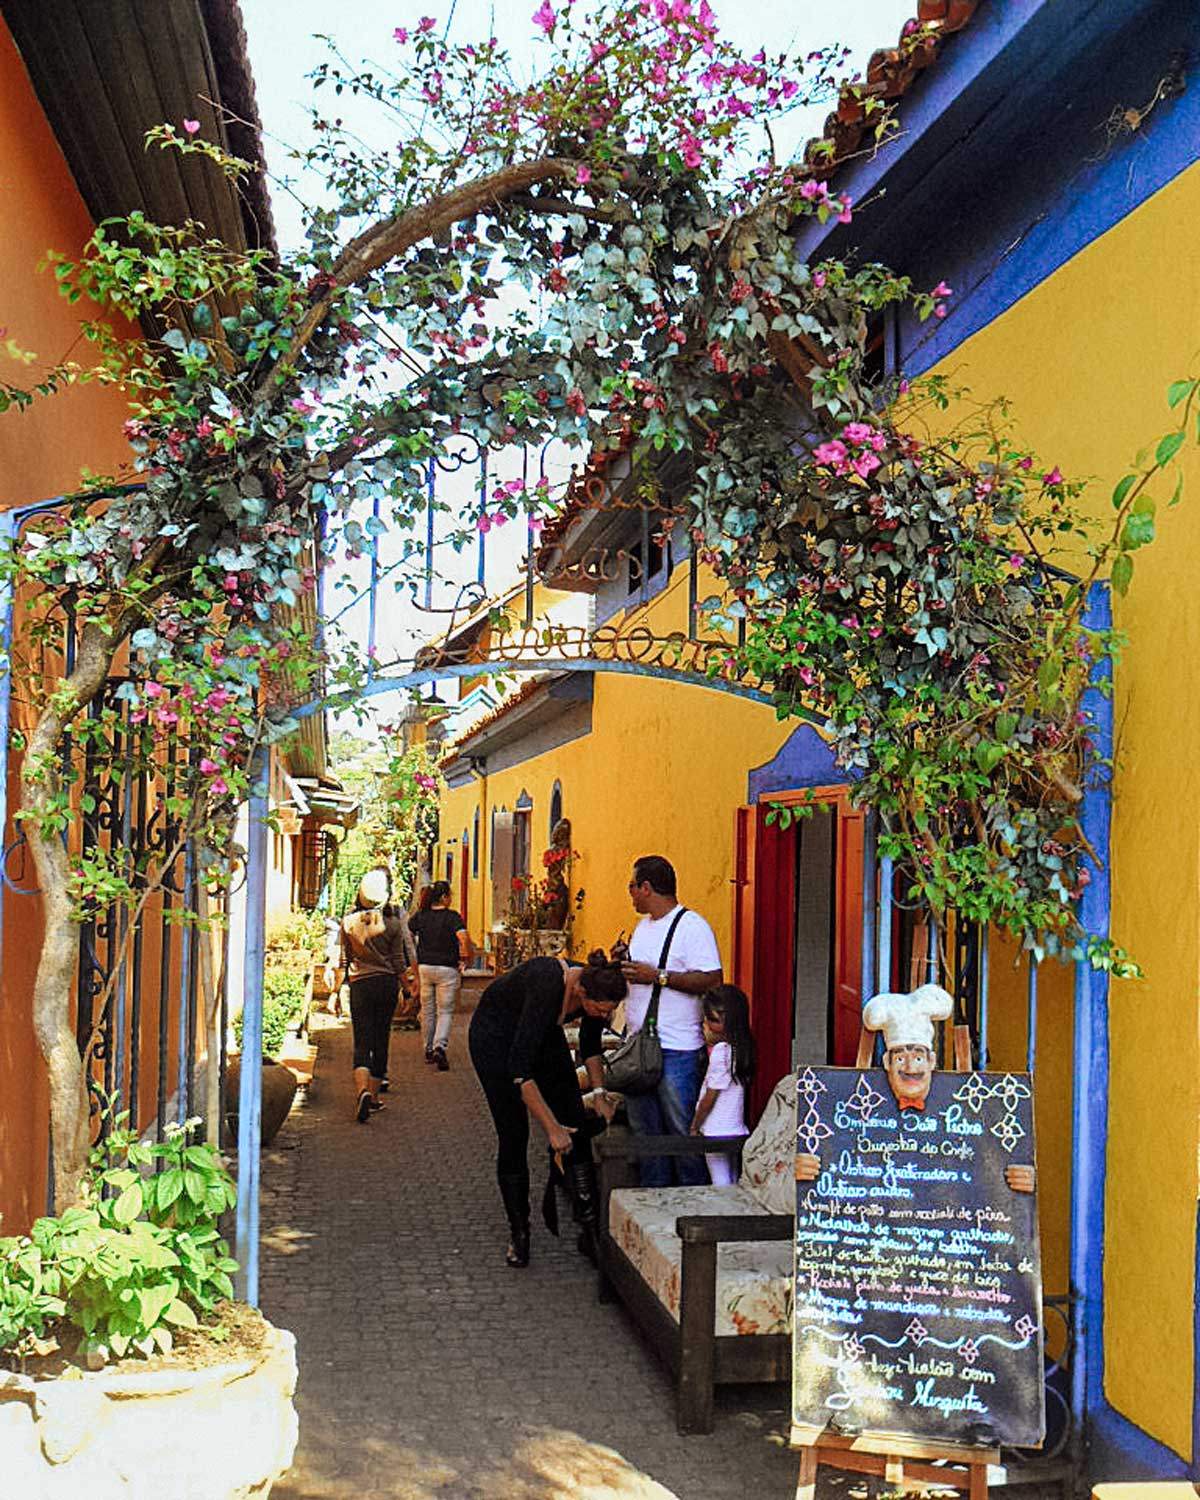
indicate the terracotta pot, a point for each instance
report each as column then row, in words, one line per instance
column 278, row 1090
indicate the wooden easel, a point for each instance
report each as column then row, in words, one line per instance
column 901, row 1462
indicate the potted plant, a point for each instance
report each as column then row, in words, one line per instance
column 124, row 1363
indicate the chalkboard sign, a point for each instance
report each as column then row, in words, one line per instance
column 918, row 1281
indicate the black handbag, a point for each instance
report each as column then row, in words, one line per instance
column 636, row 1066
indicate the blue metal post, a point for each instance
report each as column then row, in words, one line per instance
column 932, row 958
column 1090, row 1102
column 187, row 958
column 8, row 533
column 870, row 875
column 372, row 601
column 483, row 479
column 429, row 488
column 1031, row 1023
column 250, row 1082
column 984, row 931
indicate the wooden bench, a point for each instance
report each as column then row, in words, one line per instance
column 706, row 1272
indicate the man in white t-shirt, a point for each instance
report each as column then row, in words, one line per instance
column 692, row 966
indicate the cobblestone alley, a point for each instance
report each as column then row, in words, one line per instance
column 431, row 1371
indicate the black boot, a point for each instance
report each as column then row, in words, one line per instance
column 586, row 1192
column 514, row 1189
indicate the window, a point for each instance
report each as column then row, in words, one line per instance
column 522, row 817
column 660, row 557
column 450, row 867
column 555, row 807
column 475, row 847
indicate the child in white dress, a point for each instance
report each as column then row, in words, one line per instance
column 721, row 1109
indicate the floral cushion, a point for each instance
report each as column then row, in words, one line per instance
column 769, row 1156
column 754, row 1280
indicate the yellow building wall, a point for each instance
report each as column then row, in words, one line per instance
column 661, row 773
column 1086, row 359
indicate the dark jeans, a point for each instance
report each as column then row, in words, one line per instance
column 554, row 1074
column 668, row 1111
column 372, row 1006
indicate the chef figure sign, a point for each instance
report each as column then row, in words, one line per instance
column 909, row 1059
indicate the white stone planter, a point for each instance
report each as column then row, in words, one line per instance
column 225, row 1432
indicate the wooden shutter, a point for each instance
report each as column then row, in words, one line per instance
column 502, row 865
column 741, row 966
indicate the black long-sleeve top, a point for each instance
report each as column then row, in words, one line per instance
column 519, row 1012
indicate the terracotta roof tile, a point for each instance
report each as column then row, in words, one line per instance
column 891, row 72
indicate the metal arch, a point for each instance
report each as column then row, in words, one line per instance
column 381, row 682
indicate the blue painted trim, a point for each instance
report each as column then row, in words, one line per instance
column 1196, row 1357
column 804, row 759
column 1090, row 1100
column 1009, row 128
column 984, row 960
column 1031, row 1021
column 1118, row 1450
column 250, row 1081
column 870, row 875
column 886, row 881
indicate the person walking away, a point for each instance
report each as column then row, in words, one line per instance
column 443, row 947
column 731, row 1059
column 682, row 970
column 378, row 955
column 525, row 1069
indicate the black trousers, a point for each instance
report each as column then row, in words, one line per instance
column 372, row 1006
column 554, row 1074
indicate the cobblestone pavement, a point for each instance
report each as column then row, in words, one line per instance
column 431, row 1371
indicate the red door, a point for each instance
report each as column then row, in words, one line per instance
column 764, row 956
column 847, row 956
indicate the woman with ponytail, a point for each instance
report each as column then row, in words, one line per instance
column 525, row 1068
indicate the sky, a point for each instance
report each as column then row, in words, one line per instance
column 284, row 43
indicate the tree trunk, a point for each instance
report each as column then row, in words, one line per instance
column 41, row 784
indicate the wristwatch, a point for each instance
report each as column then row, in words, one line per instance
column 662, row 979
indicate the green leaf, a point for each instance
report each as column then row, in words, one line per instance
column 1122, row 573
column 180, row 1314
column 1049, row 673
column 1123, row 487
column 1168, row 447
column 129, row 1204
column 1179, row 390
column 1178, row 493
column 1006, row 726
column 1137, row 531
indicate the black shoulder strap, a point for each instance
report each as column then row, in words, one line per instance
column 650, row 1024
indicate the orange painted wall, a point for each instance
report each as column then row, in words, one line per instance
column 43, row 449
column 42, row 452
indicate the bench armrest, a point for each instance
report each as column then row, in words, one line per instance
column 724, row 1229
column 631, row 1146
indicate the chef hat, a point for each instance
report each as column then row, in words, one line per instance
column 374, row 888
column 907, row 1020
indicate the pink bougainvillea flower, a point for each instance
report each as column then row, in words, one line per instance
column 904, row 387
column 192, row 126
column 204, row 427
column 858, row 432
column 544, row 17
column 400, row 34
column 832, row 453
column 819, row 279
column 864, row 464
column 208, row 767
column 806, row 675
column 812, row 189
column 219, row 786
column 942, row 290
column 582, row 175
column 535, row 524
column 1025, row 463
column 152, row 690
column 1054, row 476
column 303, row 405
column 1016, row 561
column 426, row 23
column 940, row 310
column 844, row 212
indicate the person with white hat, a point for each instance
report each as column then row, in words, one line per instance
column 378, row 955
